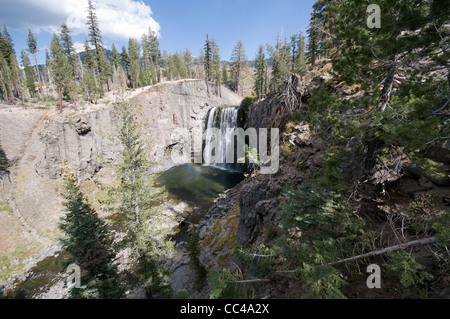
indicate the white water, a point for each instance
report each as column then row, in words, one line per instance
column 225, row 120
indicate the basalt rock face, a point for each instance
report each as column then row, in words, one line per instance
column 38, row 140
column 182, row 107
column 86, row 139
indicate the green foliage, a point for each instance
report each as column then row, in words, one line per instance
column 245, row 105
column 32, row 44
column 183, row 294
column 89, row 88
column 222, row 286
column 407, row 269
column 247, row 102
column 61, row 70
column 29, row 75
column 87, row 242
column 193, row 249
column 320, row 228
column 261, row 76
column 68, row 48
column 321, row 282
column 441, row 227
column 207, row 59
column 134, row 62
column 281, row 65
column 329, row 175
column 140, row 205
column 250, row 157
column 238, row 64
column 259, row 260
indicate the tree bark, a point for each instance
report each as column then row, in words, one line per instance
column 60, row 98
column 423, row 242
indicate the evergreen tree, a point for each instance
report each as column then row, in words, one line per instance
column 207, row 59
column 281, row 65
column 89, row 60
column 125, row 59
column 134, row 62
column 189, row 62
column 300, row 61
column 6, row 45
column 239, row 63
column 61, row 71
column 87, row 242
column 215, row 65
column 5, row 79
column 12, row 74
column 91, row 90
column 225, row 73
column 313, row 36
column 32, row 48
column 139, row 204
column 106, row 67
column 115, row 61
column 3, row 159
column 260, row 86
column 69, row 50
column 115, row 57
column 95, row 35
column 145, row 76
column 28, row 74
column 155, row 52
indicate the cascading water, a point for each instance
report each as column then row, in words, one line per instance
column 225, row 119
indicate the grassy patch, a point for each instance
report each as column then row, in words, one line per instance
column 4, row 206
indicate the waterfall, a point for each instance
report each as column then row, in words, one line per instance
column 224, row 119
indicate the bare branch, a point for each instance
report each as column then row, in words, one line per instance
column 423, row 242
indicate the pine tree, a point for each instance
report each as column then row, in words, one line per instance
column 207, row 59
column 145, row 76
column 300, row 61
column 87, row 242
column 61, row 71
column 189, row 62
column 89, row 60
column 13, row 74
column 155, row 52
column 92, row 91
column 32, row 48
column 260, row 86
column 115, row 57
column 215, row 65
column 281, row 65
column 313, row 36
column 69, row 50
column 95, row 35
column 225, row 73
column 106, row 67
column 139, row 204
column 5, row 76
column 28, row 73
column 125, row 59
column 239, row 63
column 134, row 62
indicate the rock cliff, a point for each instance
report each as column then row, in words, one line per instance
column 38, row 140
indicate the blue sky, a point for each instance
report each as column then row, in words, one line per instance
column 180, row 23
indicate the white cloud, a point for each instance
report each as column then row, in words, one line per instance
column 118, row 19
column 78, row 46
